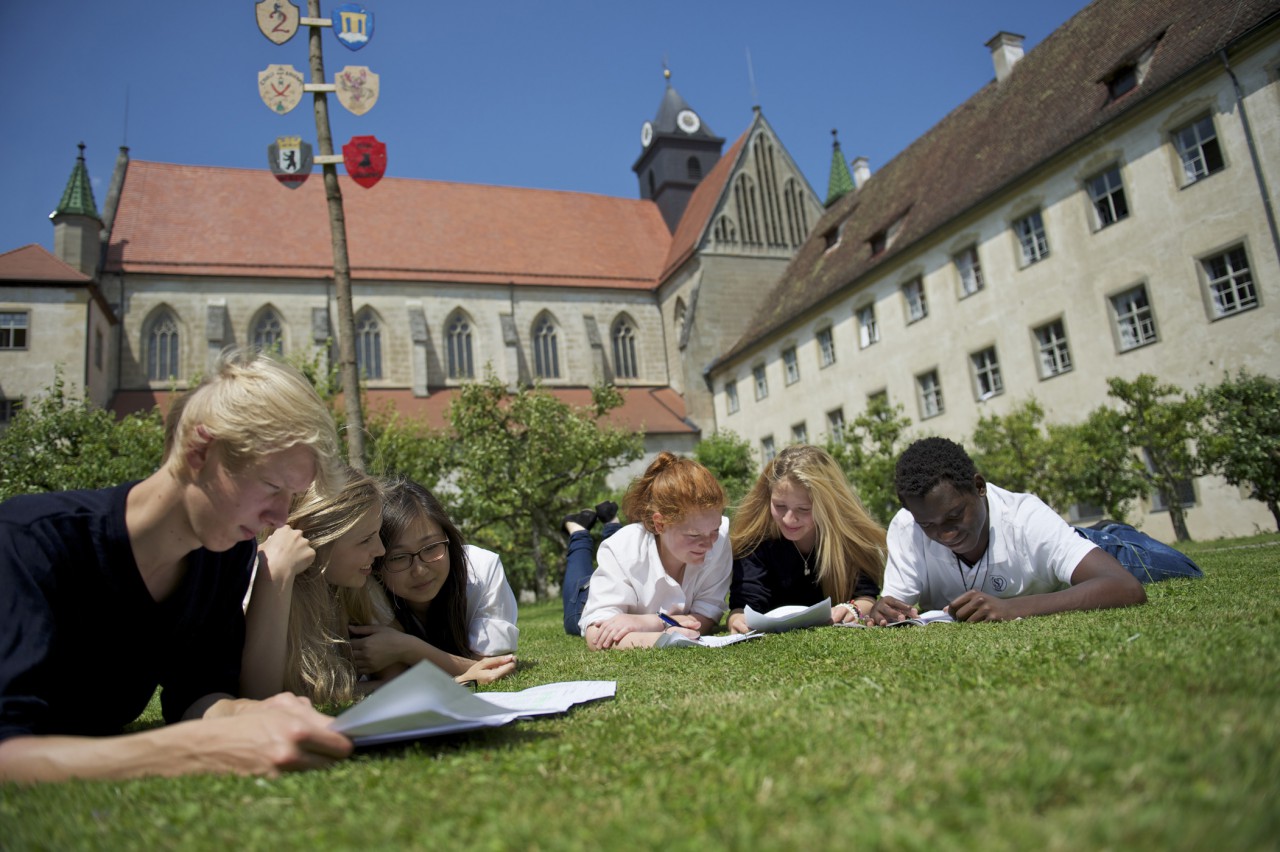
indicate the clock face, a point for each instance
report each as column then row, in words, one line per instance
column 688, row 121
column 646, row 134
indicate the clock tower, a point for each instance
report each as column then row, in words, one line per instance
column 677, row 150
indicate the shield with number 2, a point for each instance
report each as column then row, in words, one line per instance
column 366, row 159
column 278, row 19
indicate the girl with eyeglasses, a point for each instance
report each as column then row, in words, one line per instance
column 450, row 601
column 311, row 585
column 672, row 564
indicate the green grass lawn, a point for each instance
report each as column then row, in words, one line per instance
column 1147, row 728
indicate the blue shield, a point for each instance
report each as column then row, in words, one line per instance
column 353, row 25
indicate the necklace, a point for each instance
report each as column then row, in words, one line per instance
column 971, row 583
column 803, row 558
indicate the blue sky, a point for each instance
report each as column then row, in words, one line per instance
column 536, row 94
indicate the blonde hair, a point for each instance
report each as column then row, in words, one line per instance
column 252, row 405
column 318, row 660
column 849, row 541
column 673, row 487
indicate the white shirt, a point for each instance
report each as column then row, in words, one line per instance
column 1031, row 551
column 491, row 605
column 629, row 578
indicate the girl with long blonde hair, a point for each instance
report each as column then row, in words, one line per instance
column 801, row 535
column 310, row 586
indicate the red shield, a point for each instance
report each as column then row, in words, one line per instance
column 366, row 159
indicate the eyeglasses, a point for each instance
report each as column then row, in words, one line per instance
column 428, row 553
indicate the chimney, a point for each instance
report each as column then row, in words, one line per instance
column 861, row 171
column 1006, row 50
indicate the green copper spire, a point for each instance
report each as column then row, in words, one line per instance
column 841, row 181
column 77, row 198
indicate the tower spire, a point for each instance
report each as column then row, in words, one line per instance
column 841, row 180
column 77, row 198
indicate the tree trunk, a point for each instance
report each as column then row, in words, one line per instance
column 1275, row 512
column 349, row 370
column 539, row 563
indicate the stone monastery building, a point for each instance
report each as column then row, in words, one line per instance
column 1105, row 206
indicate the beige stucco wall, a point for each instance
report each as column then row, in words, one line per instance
column 55, row 340
column 1169, row 230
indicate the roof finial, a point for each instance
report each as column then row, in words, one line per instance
column 81, row 147
column 835, row 138
column 666, row 70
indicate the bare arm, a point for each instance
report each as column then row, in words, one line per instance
column 243, row 737
column 375, row 647
column 283, row 556
column 1098, row 582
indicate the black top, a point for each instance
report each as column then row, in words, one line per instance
column 773, row 575
column 83, row 645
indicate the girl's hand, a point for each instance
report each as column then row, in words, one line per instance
column 285, row 554
column 489, row 669
column 374, row 647
column 614, row 629
column 738, row 622
column 689, row 621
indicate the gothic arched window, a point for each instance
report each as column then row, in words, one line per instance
column 369, row 344
column 162, row 347
column 624, row 349
column 458, row 339
column 268, row 332
column 546, row 354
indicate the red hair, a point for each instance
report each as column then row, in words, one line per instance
column 672, row 487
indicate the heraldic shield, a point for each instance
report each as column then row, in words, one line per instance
column 280, row 87
column 357, row 88
column 353, row 25
column 290, row 160
column 278, row 19
column 366, row 159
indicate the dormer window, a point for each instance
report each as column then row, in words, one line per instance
column 879, row 242
column 1125, row 79
column 830, row 239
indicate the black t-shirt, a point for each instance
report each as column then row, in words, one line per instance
column 773, row 575
column 83, row 645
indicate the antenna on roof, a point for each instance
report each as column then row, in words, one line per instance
column 751, row 76
column 125, row 141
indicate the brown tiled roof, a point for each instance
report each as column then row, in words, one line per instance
column 702, row 204
column 654, row 410
column 1055, row 96
column 200, row 220
column 33, row 264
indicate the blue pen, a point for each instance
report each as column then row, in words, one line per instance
column 668, row 620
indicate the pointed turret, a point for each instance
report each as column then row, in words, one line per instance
column 841, row 180
column 679, row 149
column 76, row 223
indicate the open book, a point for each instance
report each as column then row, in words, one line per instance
column 786, row 618
column 924, row 618
column 425, row 701
column 676, row 640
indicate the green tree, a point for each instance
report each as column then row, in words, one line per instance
column 867, row 450
column 1093, row 463
column 1241, row 441
column 728, row 455
column 58, row 442
column 1010, row 450
column 1161, row 420
column 399, row 446
column 519, row 461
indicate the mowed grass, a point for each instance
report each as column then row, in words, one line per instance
column 1148, row 728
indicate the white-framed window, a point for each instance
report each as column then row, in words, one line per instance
column 767, row 448
column 917, row 305
column 546, row 350
column 162, row 347
column 970, row 271
column 1230, row 282
column 1078, row 512
column 868, row 328
column 459, row 360
column 268, row 332
column 826, row 347
column 1185, row 490
column 987, row 381
column 799, row 433
column 1055, row 355
column 625, row 365
column 761, row 381
column 13, row 329
column 1197, row 145
column 1106, row 191
column 930, row 392
column 731, row 403
column 1135, row 322
column 835, row 421
column 1032, row 238
column 369, row 344
column 790, row 364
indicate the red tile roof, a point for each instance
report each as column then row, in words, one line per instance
column 654, row 410
column 1055, row 97
column 200, row 220
column 32, row 264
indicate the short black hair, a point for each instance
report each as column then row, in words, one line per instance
column 929, row 461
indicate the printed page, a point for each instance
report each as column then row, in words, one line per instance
column 790, row 617
column 675, row 640
column 552, row 697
